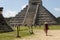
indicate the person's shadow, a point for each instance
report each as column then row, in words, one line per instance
column 49, row 35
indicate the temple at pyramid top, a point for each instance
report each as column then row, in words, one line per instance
column 35, row 2
column 33, row 14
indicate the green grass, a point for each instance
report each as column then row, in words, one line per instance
column 12, row 35
column 7, row 36
column 24, row 31
column 54, row 27
column 51, row 27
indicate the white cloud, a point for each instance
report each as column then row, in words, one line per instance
column 57, row 9
column 24, row 6
column 9, row 13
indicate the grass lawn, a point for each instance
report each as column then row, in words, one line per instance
column 12, row 35
column 24, row 31
column 52, row 27
column 55, row 27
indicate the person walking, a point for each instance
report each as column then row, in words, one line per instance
column 46, row 28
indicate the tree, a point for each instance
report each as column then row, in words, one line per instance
column 58, row 19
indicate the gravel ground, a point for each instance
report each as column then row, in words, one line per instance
column 40, row 35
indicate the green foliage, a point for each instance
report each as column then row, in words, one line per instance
column 8, row 19
column 58, row 19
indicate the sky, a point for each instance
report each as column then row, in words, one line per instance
column 12, row 7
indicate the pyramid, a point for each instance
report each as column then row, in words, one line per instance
column 33, row 14
column 4, row 27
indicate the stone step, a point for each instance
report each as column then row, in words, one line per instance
column 19, row 17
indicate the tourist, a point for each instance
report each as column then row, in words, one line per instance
column 46, row 28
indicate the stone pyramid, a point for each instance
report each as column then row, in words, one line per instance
column 33, row 14
column 4, row 27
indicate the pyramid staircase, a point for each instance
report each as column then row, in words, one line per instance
column 30, row 15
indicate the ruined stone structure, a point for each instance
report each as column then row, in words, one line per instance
column 3, row 25
column 33, row 14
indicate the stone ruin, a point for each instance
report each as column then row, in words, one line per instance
column 33, row 14
column 4, row 27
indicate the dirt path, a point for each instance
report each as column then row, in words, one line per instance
column 40, row 35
